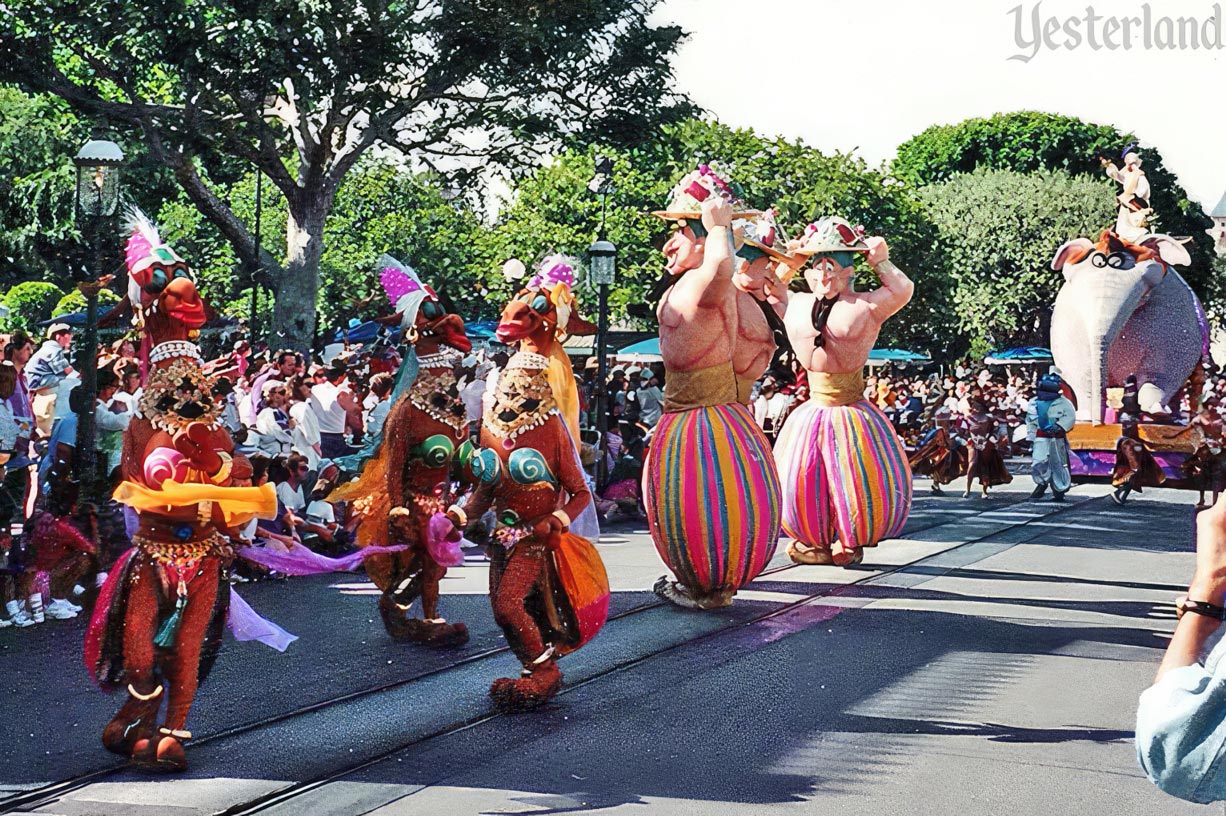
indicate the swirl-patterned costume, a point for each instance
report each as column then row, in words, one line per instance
column 405, row 489
column 548, row 586
column 157, row 625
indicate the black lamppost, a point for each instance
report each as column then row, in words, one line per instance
column 603, row 265
column 97, row 205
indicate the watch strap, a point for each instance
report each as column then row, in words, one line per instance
column 1203, row 608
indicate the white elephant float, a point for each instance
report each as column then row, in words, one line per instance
column 1124, row 310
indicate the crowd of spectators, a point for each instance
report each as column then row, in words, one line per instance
column 914, row 403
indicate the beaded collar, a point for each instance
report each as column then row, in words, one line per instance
column 527, row 359
column 437, row 394
column 445, row 357
column 178, row 395
column 174, row 348
column 523, row 400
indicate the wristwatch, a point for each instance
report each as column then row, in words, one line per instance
column 1205, row 608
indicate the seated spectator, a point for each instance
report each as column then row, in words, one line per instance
column 305, row 434
column 273, row 424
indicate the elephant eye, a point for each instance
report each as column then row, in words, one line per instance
column 1120, row 260
column 1098, row 259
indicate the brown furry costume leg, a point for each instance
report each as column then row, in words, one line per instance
column 523, row 576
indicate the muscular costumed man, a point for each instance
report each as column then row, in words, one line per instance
column 710, row 484
column 846, row 481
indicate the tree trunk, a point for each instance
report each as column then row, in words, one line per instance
column 293, row 316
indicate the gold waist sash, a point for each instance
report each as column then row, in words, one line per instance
column 706, row 387
column 832, row 390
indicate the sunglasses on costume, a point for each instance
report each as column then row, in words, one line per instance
column 537, row 302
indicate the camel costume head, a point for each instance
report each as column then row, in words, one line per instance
column 543, row 313
column 161, row 289
column 423, row 320
column 538, row 319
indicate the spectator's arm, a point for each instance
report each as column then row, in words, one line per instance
column 108, row 420
column 1181, row 720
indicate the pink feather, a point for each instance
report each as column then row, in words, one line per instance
column 397, row 279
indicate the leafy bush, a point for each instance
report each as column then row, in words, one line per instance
column 30, row 303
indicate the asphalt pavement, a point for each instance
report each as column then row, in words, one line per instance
column 987, row 661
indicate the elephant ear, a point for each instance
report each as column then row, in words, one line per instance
column 1071, row 253
column 1170, row 250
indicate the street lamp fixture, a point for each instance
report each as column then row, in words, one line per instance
column 603, row 266
column 98, row 166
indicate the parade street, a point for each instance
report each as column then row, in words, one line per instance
column 989, row 661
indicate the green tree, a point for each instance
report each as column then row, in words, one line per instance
column 553, row 211
column 302, row 91
column 39, row 239
column 380, row 208
column 1027, row 141
column 31, row 303
column 998, row 232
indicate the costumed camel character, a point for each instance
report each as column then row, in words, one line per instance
column 406, row 487
column 1124, row 310
column 984, row 459
column 548, row 586
column 846, row 481
column 157, row 625
column 710, row 485
column 938, row 455
column 1135, row 467
column 1049, row 420
column 1134, row 213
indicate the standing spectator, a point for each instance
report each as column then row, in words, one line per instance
column 1181, row 718
column 47, row 368
column 62, row 444
column 129, row 384
column 305, row 434
column 113, row 417
column 17, row 479
column 650, row 398
column 336, row 409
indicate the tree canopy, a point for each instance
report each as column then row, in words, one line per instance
column 1030, row 141
column 302, row 91
column 999, row 230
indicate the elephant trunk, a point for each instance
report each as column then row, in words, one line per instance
column 1115, row 304
column 1099, row 347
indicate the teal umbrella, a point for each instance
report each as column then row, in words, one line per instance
column 878, row 357
column 644, row 351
